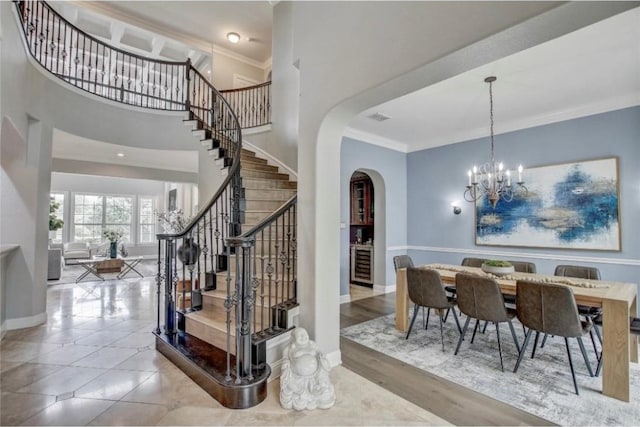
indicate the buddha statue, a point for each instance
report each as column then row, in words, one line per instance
column 304, row 382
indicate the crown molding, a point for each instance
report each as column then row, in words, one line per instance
column 598, row 107
column 370, row 138
column 241, row 58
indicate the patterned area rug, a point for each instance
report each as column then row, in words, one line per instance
column 542, row 386
column 147, row 267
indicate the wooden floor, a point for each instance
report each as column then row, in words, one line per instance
column 452, row 402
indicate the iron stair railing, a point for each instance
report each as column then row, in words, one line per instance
column 210, row 241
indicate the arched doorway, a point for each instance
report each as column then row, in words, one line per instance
column 365, row 235
column 361, row 230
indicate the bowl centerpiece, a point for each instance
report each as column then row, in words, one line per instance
column 497, row 267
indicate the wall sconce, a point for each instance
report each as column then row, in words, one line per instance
column 456, row 208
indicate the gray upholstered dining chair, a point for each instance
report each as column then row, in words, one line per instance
column 480, row 298
column 402, row 261
column 577, row 271
column 426, row 290
column 472, row 262
column 466, row 262
column 405, row 261
column 551, row 309
column 582, row 272
column 518, row 267
column 523, row 266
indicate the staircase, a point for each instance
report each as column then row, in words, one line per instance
column 226, row 283
column 265, row 190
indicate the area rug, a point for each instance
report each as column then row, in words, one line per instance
column 542, row 386
column 147, row 267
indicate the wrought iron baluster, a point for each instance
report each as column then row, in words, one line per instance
column 158, row 286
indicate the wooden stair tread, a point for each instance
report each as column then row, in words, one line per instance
column 211, row 319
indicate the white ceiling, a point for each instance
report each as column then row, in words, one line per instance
column 68, row 146
column 204, row 24
column 589, row 71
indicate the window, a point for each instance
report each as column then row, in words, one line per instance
column 147, row 220
column 58, row 198
column 95, row 213
column 87, row 218
column 119, row 215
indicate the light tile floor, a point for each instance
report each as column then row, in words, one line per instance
column 94, row 363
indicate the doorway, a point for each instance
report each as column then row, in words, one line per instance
column 361, row 235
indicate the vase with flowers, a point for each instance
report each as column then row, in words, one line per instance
column 112, row 236
column 174, row 222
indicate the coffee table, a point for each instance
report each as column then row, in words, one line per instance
column 99, row 265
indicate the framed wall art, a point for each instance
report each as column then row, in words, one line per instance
column 567, row 206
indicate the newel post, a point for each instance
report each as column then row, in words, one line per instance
column 245, row 302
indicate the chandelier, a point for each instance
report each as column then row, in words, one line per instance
column 491, row 179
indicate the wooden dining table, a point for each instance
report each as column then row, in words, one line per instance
column 617, row 299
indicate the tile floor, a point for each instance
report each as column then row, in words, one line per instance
column 94, row 363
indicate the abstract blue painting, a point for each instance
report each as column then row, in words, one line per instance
column 567, row 206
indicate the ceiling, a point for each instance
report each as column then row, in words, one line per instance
column 592, row 70
column 184, row 26
column 68, row 146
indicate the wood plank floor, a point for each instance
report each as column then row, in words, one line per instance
column 452, row 402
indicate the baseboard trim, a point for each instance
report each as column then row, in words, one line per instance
column 334, row 358
column 345, row 298
column 384, row 289
column 25, row 322
column 3, row 330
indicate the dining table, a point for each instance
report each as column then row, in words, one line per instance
column 617, row 299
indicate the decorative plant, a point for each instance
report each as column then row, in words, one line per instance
column 497, row 263
column 112, row 235
column 55, row 223
column 173, row 221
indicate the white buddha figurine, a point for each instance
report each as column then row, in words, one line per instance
column 304, row 382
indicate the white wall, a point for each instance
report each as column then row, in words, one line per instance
column 373, row 52
column 285, row 84
column 225, row 67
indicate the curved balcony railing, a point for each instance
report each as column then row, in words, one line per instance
column 252, row 104
column 93, row 66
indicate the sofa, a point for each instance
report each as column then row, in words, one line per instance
column 74, row 251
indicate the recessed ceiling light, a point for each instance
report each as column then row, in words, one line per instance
column 233, row 37
column 120, row 154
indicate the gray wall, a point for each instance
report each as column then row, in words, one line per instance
column 388, row 170
column 437, row 176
